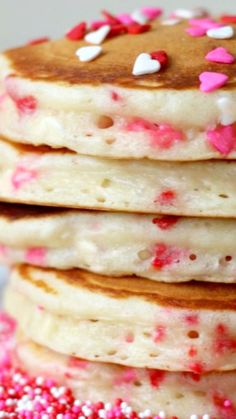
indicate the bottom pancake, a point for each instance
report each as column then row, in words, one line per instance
column 177, row 394
column 139, row 323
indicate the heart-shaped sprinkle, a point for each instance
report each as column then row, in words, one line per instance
column 188, row 13
column 77, row 32
column 222, row 138
column 97, row 37
column 211, row 81
column 195, row 31
column 160, row 56
column 228, row 19
column 125, row 18
column 118, row 30
column 220, row 55
column 97, row 24
column 144, row 64
column 151, row 12
column 225, row 32
column 136, row 28
column 139, row 17
column 110, row 18
column 170, row 22
column 86, row 54
column 205, row 23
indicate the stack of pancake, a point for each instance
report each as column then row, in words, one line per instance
column 118, row 204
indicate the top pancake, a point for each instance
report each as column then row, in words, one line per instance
column 56, row 61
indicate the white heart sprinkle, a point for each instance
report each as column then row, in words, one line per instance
column 139, row 17
column 188, row 13
column 225, row 32
column 144, row 64
column 98, row 36
column 86, row 54
column 170, row 22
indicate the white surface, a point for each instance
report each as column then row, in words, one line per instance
column 25, row 19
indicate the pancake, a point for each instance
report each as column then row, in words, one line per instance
column 179, row 394
column 161, row 248
column 44, row 176
column 99, row 108
column 137, row 323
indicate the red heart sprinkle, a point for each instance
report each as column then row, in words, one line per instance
column 136, row 28
column 38, row 41
column 160, row 56
column 228, row 19
column 117, row 30
column 112, row 20
column 77, row 32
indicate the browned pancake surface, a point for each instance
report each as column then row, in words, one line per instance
column 56, row 61
column 193, row 295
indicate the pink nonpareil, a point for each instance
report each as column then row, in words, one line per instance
column 36, row 255
column 222, row 138
column 22, row 176
column 161, row 136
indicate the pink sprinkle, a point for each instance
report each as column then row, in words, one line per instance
column 156, row 377
column 196, row 367
column 223, row 138
column 129, row 376
column 159, row 334
column 40, row 308
column 192, row 352
column 205, row 24
column 36, row 255
column 220, row 55
column 3, row 250
column 77, row 363
column 211, row 81
column 125, row 18
column 166, row 198
column 191, row 319
column 116, row 97
column 166, row 255
column 26, row 105
column 162, row 136
column 129, row 338
column 195, row 31
column 151, row 12
column 22, row 176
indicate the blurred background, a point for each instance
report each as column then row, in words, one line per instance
column 22, row 20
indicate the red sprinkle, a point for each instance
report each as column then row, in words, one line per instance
column 159, row 334
column 38, row 41
column 165, row 256
column 26, row 105
column 166, row 222
column 223, row 342
column 228, row 19
column 197, row 368
column 160, row 56
column 136, row 28
column 116, row 30
column 112, row 20
column 156, row 377
column 166, row 197
column 77, row 32
column 192, row 352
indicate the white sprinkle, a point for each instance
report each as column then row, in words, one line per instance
column 39, row 381
column 82, row 417
column 60, row 416
column 3, row 414
column 86, row 411
column 139, row 17
column 50, row 409
column 194, row 417
column 108, row 406
column 77, row 403
column 98, row 36
column 189, row 13
column 225, row 106
column 44, row 416
column 225, row 32
column 170, row 22
column 162, row 415
column 86, row 54
column 102, row 413
column 144, row 64
column 147, row 413
column 206, row 417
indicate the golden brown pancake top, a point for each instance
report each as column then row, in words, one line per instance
column 56, row 61
column 192, row 295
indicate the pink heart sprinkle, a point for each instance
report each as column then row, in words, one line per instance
column 220, row 55
column 125, row 19
column 196, row 31
column 36, row 255
column 151, row 12
column 222, row 138
column 205, row 23
column 211, row 81
column 22, row 176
